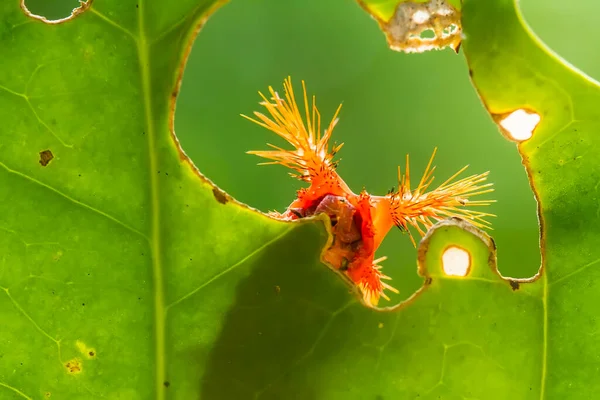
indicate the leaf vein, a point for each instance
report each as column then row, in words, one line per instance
column 310, row 351
column 7, row 90
column 71, row 199
column 35, row 324
column 229, row 269
column 575, row 272
column 17, row 391
column 112, row 23
column 155, row 242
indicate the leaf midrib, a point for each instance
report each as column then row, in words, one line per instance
column 155, row 238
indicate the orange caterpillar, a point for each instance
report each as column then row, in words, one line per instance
column 359, row 221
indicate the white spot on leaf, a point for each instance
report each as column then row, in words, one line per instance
column 456, row 261
column 520, row 124
column 420, row 17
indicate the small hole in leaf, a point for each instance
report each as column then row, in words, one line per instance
column 520, row 124
column 427, row 34
column 456, row 261
column 451, row 30
column 52, row 10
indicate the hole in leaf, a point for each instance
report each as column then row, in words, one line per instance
column 456, row 261
column 386, row 113
column 52, row 10
column 427, row 34
column 451, row 30
column 520, row 124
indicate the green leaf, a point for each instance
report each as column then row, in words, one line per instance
column 512, row 70
column 126, row 274
column 118, row 259
column 449, row 341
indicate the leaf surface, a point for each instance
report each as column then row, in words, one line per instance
column 118, row 259
column 512, row 70
column 126, row 274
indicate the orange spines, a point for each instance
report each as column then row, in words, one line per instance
column 311, row 156
column 421, row 209
column 359, row 222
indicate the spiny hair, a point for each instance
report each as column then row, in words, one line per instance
column 421, row 209
column 311, row 156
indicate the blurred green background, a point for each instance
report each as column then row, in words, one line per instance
column 393, row 104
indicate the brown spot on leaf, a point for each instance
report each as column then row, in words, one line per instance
column 514, row 285
column 167, row 384
column 45, row 157
column 277, row 290
column 220, row 195
column 87, row 352
column 73, row 366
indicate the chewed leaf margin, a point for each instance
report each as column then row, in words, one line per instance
column 419, row 25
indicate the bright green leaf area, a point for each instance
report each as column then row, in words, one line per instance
column 512, row 70
column 125, row 275
column 118, row 262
